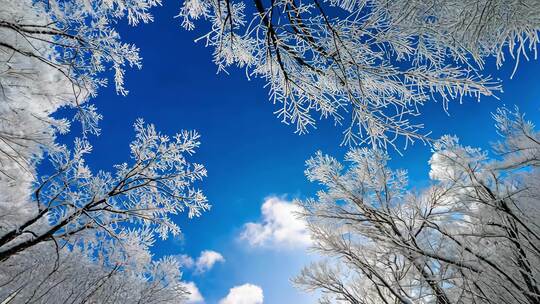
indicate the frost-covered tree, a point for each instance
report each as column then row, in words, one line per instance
column 44, row 274
column 76, row 38
column 470, row 237
column 129, row 206
column 75, row 235
column 103, row 225
column 367, row 64
column 54, row 54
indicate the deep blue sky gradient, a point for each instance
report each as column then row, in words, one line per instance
column 248, row 152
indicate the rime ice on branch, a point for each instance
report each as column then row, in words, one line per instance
column 367, row 64
column 470, row 237
column 76, row 235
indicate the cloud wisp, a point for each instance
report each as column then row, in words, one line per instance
column 204, row 263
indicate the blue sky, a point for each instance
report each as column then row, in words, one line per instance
column 250, row 155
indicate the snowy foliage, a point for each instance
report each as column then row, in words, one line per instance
column 471, row 237
column 45, row 274
column 56, row 54
column 367, row 64
column 114, row 217
column 82, row 35
column 137, row 200
column 30, row 91
column 85, row 236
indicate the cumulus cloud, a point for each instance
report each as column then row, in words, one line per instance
column 194, row 296
column 206, row 260
column 441, row 168
column 244, row 294
column 279, row 227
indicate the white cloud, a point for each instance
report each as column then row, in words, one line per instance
column 441, row 168
column 280, row 226
column 194, row 293
column 207, row 259
column 244, row 294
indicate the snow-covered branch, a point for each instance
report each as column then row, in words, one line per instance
column 368, row 65
column 471, row 237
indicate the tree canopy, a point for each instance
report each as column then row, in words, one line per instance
column 367, row 65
